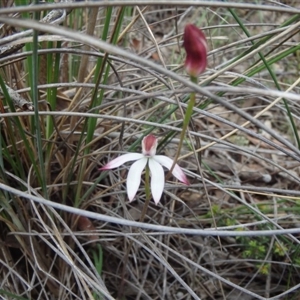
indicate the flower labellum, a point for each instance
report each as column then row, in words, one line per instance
column 155, row 163
column 195, row 45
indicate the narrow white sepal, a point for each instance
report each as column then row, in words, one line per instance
column 134, row 177
column 157, row 179
column 168, row 162
column 121, row 160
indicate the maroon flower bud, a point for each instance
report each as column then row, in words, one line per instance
column 195, row 45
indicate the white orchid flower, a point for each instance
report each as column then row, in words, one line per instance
column 155, row 163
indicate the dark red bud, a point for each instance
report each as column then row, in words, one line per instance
column 195, row 45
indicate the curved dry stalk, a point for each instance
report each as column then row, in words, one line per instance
column 179, row 3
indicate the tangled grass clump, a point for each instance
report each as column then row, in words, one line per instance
column 84, row 82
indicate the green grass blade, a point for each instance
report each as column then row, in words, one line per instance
column 36, row 117
column 97, row 100
column 273, row 76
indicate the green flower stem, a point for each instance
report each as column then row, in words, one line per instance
column 148, row 193
column 186, row 121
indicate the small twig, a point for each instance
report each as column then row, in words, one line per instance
column 17, row 99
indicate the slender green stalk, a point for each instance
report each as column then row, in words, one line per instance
column 36, row 118
column 90, row 123
column 102, row 67
column 148, row 193
column 52, row 76
column 15, row 161
column 20, row 129
column 186, row 121
column 98, row 262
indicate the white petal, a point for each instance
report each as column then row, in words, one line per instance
column 157, row 179
column 177, row 171
column 121, row 160
column 134, row 177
